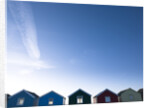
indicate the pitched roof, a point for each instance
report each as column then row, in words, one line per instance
column 79, row 90
column 104, row 91
column 33, row 94
column 53, row 92
column 140, row 90
column 119, row 94
column 28, row 92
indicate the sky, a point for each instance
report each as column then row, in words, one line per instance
column 64, row 47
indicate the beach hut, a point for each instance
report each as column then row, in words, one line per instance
column 129, row 95
column 106, row 96
column 7, row 96
column 141, row 92
column 23, row 98
column 51, row 98
column 80, row 97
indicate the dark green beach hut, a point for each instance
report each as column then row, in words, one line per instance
column 80, row 97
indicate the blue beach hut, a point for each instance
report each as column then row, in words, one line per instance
column 23, row 98
column 51, row 98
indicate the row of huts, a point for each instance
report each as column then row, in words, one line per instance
column 26, row 98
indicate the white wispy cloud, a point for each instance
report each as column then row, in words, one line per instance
column 18, row 61
column 22, row 64
column 23, row 16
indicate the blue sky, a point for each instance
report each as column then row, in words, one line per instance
column 63, row 47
